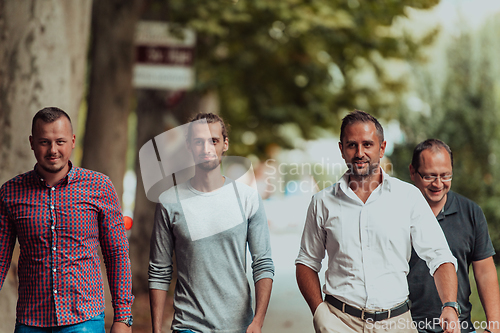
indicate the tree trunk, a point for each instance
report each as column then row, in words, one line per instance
column 42, row 63
column 110, row 92
column 43, row 47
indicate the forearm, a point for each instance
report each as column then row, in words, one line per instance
column 309, row 286
column 262, row 295
column 487, row 285
column 119, row 274
column 446, row 282
column 445, row 279
column 157, row 299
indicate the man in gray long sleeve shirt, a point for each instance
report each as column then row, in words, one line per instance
column 208, row 221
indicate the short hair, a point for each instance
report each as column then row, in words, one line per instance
column 433, row 144
column 49, row 115
column 210, row 119
column 361, row 116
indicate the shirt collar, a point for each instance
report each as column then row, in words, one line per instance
column 451, row 205
column 343, row 182
column 68, row 178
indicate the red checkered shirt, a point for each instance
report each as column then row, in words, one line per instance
column 59, row 229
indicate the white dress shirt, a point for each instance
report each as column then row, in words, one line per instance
column 369, row 244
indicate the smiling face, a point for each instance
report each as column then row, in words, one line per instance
column 207, row 144
column 433, row 162
column 52, row 144
column 361, row 149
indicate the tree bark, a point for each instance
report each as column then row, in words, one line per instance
column 42, row 63
column 110, row 92
column 43, row 47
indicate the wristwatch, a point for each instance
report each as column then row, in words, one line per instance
column 454, row 305
column 127, row 321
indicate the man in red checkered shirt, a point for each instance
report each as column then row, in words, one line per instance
column 60, row 214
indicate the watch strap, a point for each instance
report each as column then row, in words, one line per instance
column 453, row 305
column 127, row 321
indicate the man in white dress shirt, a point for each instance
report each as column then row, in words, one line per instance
column 368, row 222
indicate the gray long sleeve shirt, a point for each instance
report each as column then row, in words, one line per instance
column 209, row 231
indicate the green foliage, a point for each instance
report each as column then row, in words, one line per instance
column 292, row 61
column 465, row 114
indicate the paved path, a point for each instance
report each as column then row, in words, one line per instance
column 288, row 312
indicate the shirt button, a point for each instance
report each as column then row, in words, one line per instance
column 52, row 227
column 53, row 189
column 54, row 248
column 54, row 270
column 51, row 206
column 55, row 291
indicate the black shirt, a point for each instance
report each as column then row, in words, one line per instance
column 466, row 231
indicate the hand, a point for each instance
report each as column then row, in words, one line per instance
column 449, row 320
column 120, row 328
column 254, row 328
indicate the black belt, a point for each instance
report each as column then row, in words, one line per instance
column 366, row 315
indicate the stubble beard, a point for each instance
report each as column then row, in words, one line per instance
column 52, row 170
column 209, row 165
column 363, row 173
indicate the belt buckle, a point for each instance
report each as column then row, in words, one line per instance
column 362, row 314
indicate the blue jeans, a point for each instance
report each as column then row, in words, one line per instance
column 93, row 325
column 183, row 331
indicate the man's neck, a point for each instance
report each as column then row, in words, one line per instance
column 438, row 207
column 207, row 181
column 363, row 186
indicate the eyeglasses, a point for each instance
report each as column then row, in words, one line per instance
column 432, row 178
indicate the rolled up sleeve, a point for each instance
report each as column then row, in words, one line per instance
column 161, row 251
column 428, row 238
column 312, row 245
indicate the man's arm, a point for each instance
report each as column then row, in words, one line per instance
column 7, row 239
column 262, row 295
column 160, row 266
column 157, row 299
column 446, row 282
column 485, row 274
column 259, row 244
column 114, row 246
column 309, row 286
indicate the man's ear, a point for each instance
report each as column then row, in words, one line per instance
column 226, row 145
column 412, row 172
column 382, row 148
column 31, row 142
column 341, row 151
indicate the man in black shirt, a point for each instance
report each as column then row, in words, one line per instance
column 466, row 231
